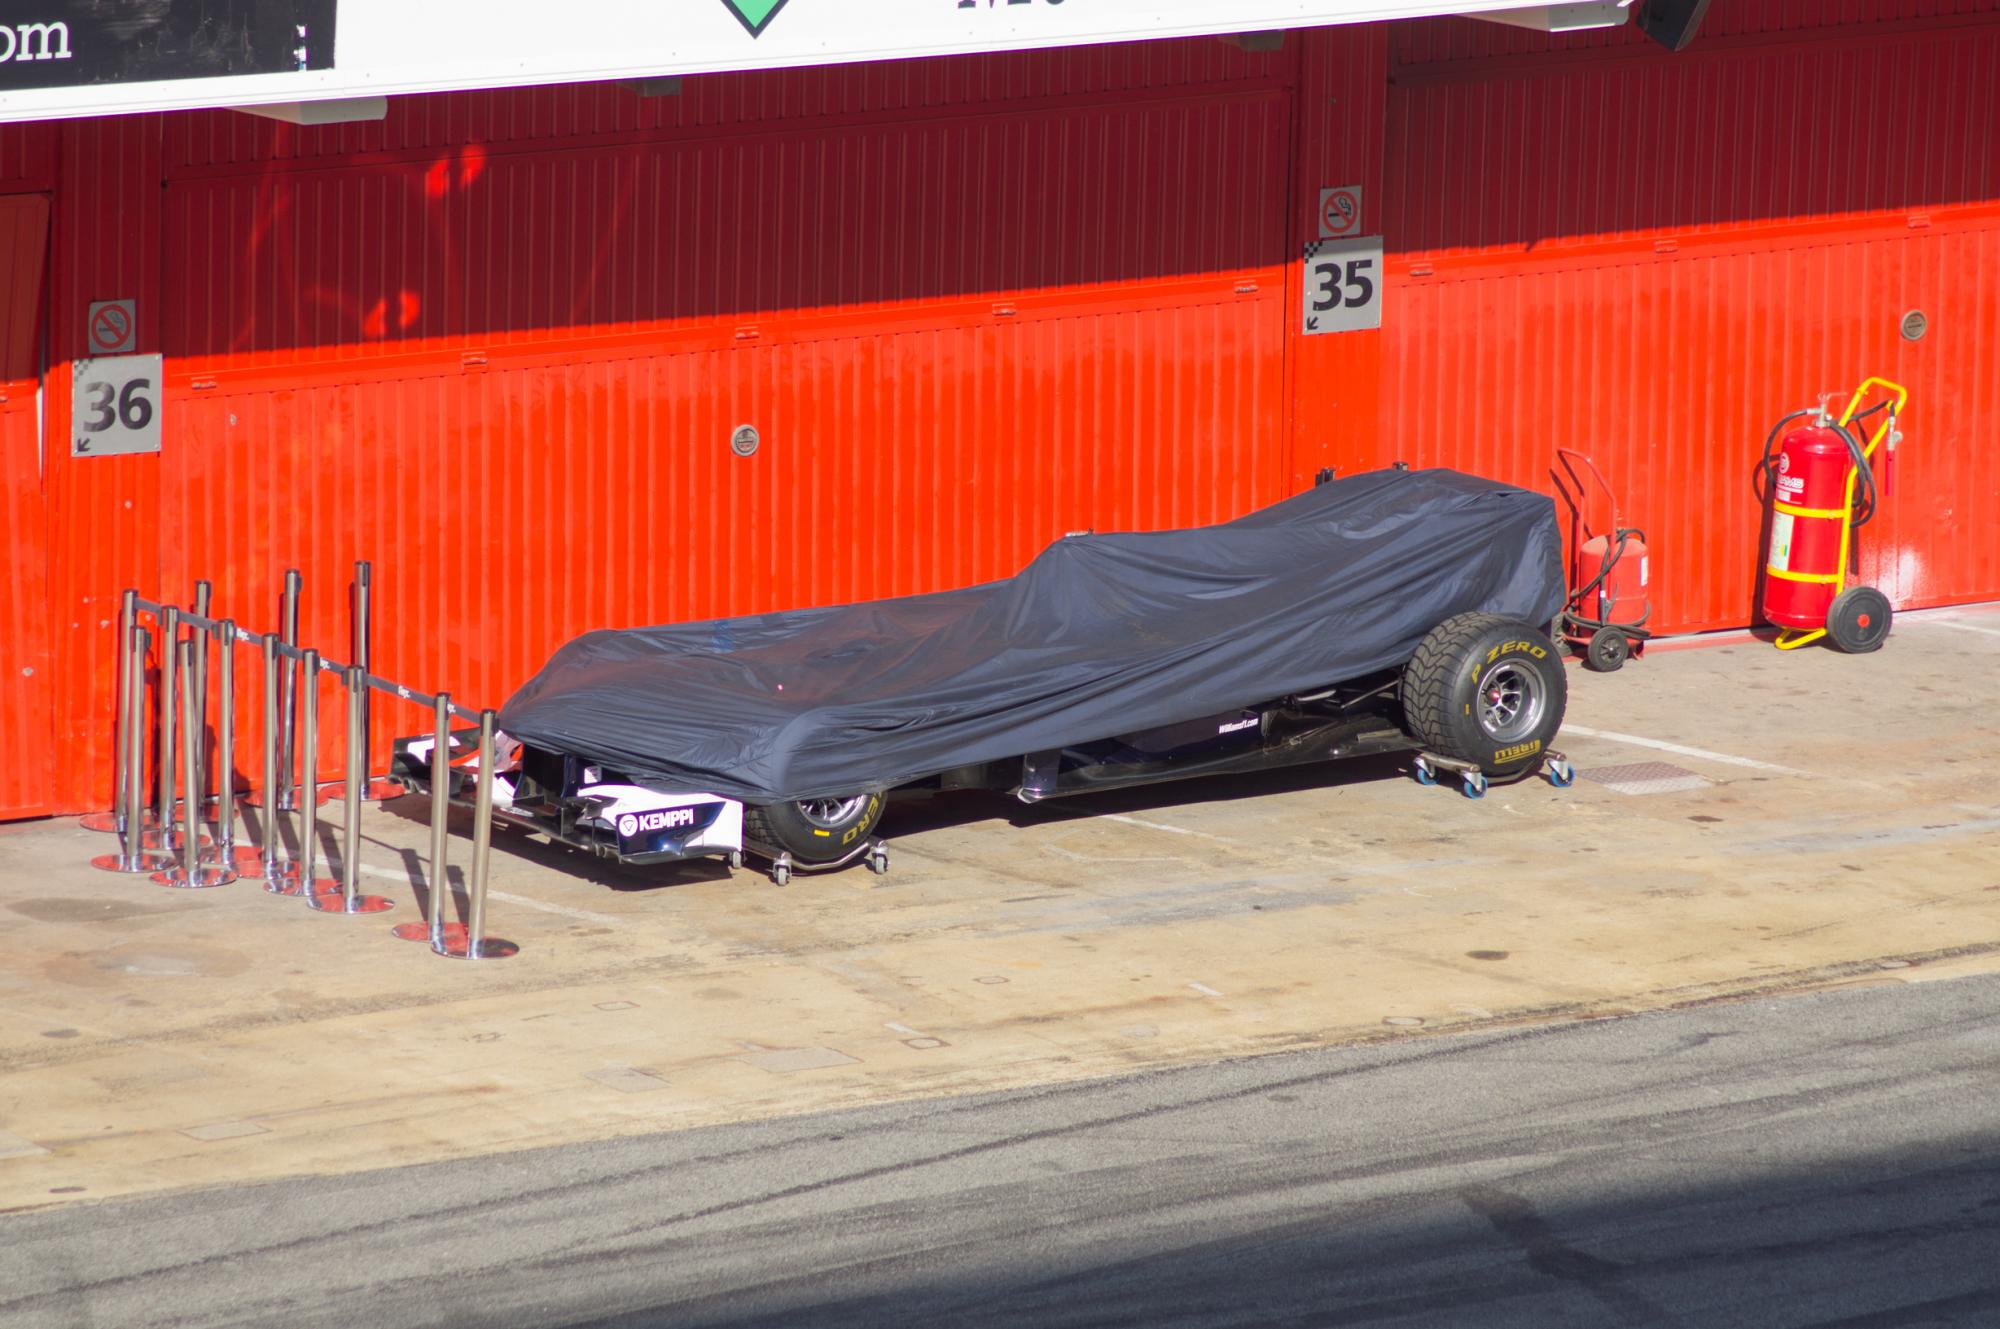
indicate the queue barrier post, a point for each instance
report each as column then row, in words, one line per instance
column 133, row 856
column 474, row 944
column 191, row 873
column 163, row 836
column 310, row 883
column 439, row 872
column 280, row 871
column 375, row 790
column 113, row 819
column 243, row 860
column 197, row 734
column 348, row 899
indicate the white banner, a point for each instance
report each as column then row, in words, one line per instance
column 388, row 47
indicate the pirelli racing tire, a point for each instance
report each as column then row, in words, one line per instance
column 815, row 830
column 1488, row 690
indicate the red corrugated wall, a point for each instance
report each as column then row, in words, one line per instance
column 970, row 305
column 1652, row 257
column 498, row 342
column 25, row 765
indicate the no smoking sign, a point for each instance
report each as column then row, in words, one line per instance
column 113, row 326
column 1339, row 212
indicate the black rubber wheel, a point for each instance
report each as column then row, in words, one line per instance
column 1488, row 690
column 1859, row 620
column 814, row 830
column 1608, row 651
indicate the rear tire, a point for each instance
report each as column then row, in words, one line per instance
column 814, row 830
column 1486, row 689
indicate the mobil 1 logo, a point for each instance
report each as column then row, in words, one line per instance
column 1343, row 285
column 115, row 406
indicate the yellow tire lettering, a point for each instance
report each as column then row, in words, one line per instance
column 1527, row 749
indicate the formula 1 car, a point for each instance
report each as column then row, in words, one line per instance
column 1392, row 611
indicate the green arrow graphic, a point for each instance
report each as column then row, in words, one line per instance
column 754, row 15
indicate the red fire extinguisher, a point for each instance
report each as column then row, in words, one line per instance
column 1822, row 487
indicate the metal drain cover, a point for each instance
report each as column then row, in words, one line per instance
column 1646, row 777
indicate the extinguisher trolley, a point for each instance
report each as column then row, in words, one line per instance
column 1823, row 488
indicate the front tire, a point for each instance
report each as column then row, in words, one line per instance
column 1488, row 690
column 815, row 830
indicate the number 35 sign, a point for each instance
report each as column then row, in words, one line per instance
column 1343, row 285
column 115, row 406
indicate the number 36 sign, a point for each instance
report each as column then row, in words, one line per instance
column 1343, row 284
column 115, row 406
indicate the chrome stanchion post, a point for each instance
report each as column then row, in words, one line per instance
column 129, row 796
column 288, row 713
column 114, row 819
column 307, row 697
column 348, row 899
column 440, row 868
column 192, row 874
column 281, row 875
column 170, row 636
column 244, row 862
column 197, row 736
column 474, row 944
column 377, row 790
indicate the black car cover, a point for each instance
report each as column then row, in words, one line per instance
column 1100, row 635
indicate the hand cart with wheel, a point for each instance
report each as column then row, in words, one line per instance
column 1609, row 568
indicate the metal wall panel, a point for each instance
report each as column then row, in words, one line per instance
column 27, row 157
column 102, row 511
column 1653, row 263
column 499, row 121
column 509, row 507
column 880, row 219
column 1335, row 392
column 25, row 674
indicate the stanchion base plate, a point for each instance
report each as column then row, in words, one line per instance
column 457, row 946
column 203, row 878
column 245, row 861
column 422, row 931
column 147, row 863
column 334, row 901
column 283, row 879
column 381, row 791
column 99, row 821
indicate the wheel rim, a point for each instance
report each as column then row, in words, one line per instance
column 1511, row 702
column 830, row 813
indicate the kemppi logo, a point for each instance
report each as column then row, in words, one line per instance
column 633, row 823
column 34, row 41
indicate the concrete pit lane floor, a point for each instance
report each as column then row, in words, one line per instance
column 1823, row 1159
column 1746, row 822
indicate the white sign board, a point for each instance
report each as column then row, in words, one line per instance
column 1343, row 285
column 387, row 47
column 115, row 406
column 1339, row 212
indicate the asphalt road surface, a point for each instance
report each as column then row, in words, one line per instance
column 1830, row 1159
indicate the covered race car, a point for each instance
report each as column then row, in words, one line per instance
column 1392, row 611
